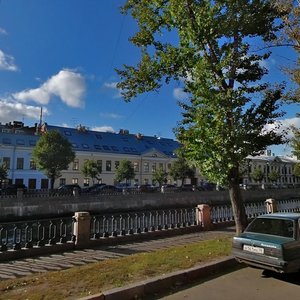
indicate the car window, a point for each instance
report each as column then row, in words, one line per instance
column 280, row 227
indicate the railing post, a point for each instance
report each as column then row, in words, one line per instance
column 271, row 205
column 20, row 193
column 203, row 216
column 82, row 228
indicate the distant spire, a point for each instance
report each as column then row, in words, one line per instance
column 41, row 116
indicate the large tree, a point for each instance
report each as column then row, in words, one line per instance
column 91, row 169
column 290, row 13
column 52, row 154
column 206, row 46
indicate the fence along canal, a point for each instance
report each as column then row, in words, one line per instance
column 46, row 232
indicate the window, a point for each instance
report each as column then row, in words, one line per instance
column 136, row 167
column 20, row 163
column 146, row 167
column 117, row 163
column 153, row 167
column 99, row 163
column 76, row 164
column 62, row 181
column 32, row 184
column 85, row 146
column 86, row 181
column 6, row 162
column 6, row 141
column 19, row 181
column 169, row 166
column 32, row 165
column 74, row 180
column 68, row 133
column 44, row 183
column 108, row 165
column 20, row 142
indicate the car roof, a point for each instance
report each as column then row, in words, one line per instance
column 282, row 215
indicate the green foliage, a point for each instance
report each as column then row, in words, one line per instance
column 91, row 169
column 295, row 142
column 257, row 175
column 296, row 170
column 3, row 173
column 180, row 169
column 124, row 171
column 160, row 176
column 290, row 14
column 206, row 47
column 52, row 154
column 273, row 176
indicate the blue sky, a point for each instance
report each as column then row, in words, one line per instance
column 61, row 55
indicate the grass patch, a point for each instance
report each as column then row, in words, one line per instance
column 97, row 277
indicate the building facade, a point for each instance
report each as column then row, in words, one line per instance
column 147, row 154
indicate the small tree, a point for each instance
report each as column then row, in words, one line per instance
column 52, row 154
column 91, row 169
column 257, row 175
column 3, row 174
column 273, row 176
column 125, row 171
column 296, row 170
column 181, row 170
column 160, row 176
column 295, row 142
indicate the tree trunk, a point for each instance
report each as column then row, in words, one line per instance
column 238, row 208
column 52, row 180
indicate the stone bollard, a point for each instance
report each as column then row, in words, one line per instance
column 271, row 206
column 82, row 228
column 203, row 216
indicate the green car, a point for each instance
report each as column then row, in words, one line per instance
column 270, row 242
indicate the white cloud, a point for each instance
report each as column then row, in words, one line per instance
column 3, row 31
column 68, row 85
column 285, row 125
column 103, row 129
column 7, row 62
column 110, row 116
column 179, row 94
column 11, row 110
column 113, row 86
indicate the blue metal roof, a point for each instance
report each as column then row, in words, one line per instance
column 107, row 142
column 18, row 139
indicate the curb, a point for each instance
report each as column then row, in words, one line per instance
column 163, row 283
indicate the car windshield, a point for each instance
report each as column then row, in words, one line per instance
column 279, row 227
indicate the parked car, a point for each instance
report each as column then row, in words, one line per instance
column 92, row 189
column 108, row 189
column 270, row 242
column 147, row 188
column 68, row 189
column 188, row 188
column 12, row 189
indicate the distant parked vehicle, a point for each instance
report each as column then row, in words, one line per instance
column 68, row 189
column 108, row 189
column 94, row 189
column 12, row 189
column 147, row 188
column 188, row 188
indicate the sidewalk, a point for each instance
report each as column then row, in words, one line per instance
column 65, row 260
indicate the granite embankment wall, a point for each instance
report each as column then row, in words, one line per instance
column 38, row 206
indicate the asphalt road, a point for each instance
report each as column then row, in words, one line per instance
column 243, row 284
